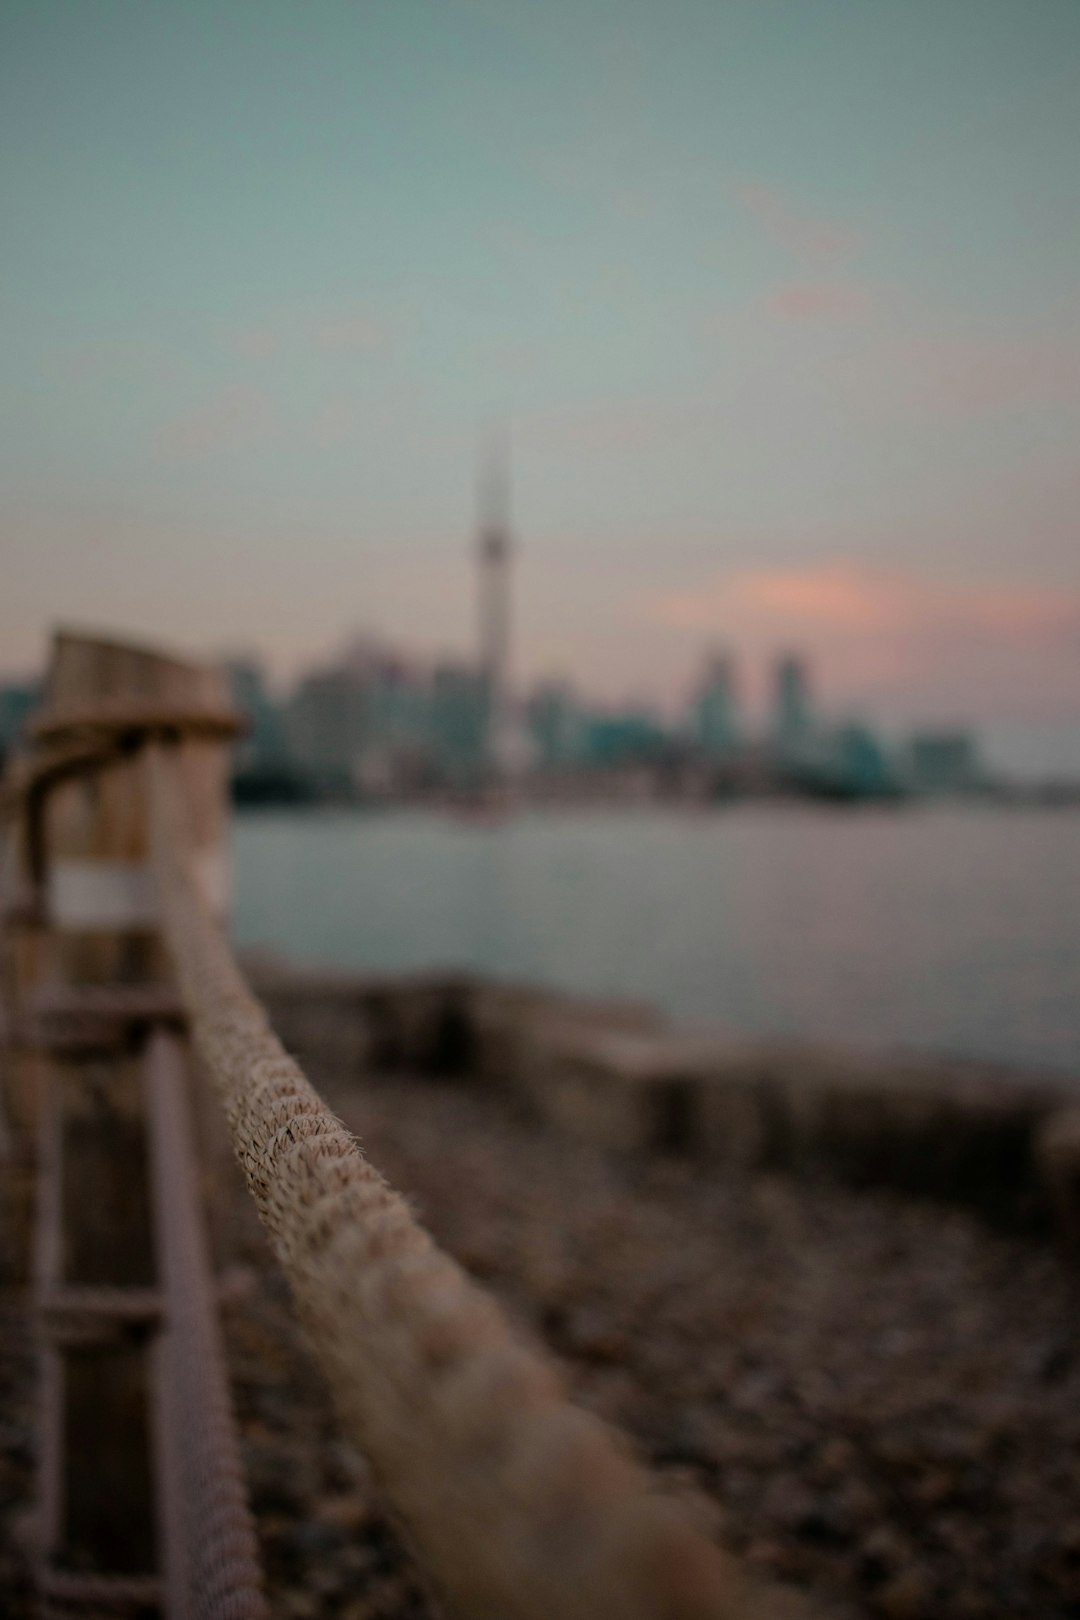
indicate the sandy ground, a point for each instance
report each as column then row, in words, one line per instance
column 873, row 1398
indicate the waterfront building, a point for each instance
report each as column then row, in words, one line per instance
column 398, row 702
column 17, row 701
column 326, row 724
column 793, row 709
column 714, row 727
column 945, row 761
column 395, row 744
column 264, row 747
column 625, row 737
column 556, row 726
column 799, row 746
column 860, row 765
column 460, row 725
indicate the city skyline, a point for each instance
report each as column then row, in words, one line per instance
column 375, row 725
column 780, row 304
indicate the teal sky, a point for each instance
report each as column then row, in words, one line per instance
column 780, row 299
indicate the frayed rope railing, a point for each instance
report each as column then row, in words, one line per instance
column 519, row 1505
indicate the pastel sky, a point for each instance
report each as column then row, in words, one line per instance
column 779, row 298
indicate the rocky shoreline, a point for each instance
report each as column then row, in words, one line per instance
column 872, row 1396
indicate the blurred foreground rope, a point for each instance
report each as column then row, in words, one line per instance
column 520, row 1506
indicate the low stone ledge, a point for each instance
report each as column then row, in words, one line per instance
column 514, row 1023
column 612, row 1073
column 918, row 1125
column 422, row 1022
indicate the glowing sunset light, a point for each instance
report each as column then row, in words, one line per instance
column 845, row 596
column 874, row 629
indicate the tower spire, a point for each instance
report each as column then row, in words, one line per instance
column 494, row 560
column 494, row 481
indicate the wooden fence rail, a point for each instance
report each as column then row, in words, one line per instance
column 519, row 1505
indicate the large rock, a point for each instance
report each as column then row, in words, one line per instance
column 1057, row 1154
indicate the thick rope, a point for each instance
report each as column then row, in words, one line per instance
column 520, row 1506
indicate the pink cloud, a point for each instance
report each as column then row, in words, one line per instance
column 604, row 427
column 808, row 301
column 257, row 342
column 347, row 332
column 847, row 597
column 335, row 422
column 627, row 428
column 130, row 360
column 797, row 232
column 229, row 420
column 334, row 331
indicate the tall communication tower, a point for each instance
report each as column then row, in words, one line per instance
column 494, row 558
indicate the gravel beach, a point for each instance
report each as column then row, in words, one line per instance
column 873, row 1398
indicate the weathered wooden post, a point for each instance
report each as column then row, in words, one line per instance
column 23, row 965
column 104, row 700
column 120, row 1270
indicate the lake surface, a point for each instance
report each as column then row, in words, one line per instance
column 954, row 929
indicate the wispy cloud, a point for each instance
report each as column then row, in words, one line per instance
column 603, row 427
column 230, row 419
column 256, row 342
column 812, row 301
column 130, row 360
column 333, row 330
column 346, row 333
column 804, row 236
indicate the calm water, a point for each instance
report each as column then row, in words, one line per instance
column 953, row 929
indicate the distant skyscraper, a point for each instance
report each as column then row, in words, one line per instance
column 793, row 711
column 459, row 725
column 327, row 727
column 556, row 726
column 494, row 560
